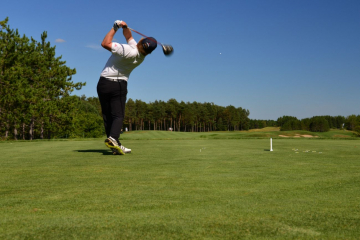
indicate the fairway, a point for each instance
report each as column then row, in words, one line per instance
column 182, row 187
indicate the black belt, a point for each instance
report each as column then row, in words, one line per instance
column 113, row 80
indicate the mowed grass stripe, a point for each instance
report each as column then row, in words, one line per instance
column 180, row 189
column 269, row 132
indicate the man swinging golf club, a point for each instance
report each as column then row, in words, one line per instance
column 112, row 85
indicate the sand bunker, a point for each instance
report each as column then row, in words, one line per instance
column 298, row 135
column 308, row 136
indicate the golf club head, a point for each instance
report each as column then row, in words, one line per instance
column 167, row 49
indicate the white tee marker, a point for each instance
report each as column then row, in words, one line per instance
column 271, row 149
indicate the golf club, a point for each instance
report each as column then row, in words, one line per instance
column 167, row 49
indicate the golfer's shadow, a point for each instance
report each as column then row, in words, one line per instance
column 104, row 152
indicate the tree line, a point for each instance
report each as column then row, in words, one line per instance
column 319, row 123
column 186, row 117
column 35, row 87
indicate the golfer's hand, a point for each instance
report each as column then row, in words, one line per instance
column 123, row 24
column 117, row 25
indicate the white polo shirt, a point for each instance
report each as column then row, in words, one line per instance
column 124, row 58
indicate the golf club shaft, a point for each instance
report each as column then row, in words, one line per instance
column 144, row 36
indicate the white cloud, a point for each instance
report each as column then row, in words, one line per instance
column 93, row 46
column 59, row 40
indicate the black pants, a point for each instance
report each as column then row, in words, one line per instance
column 112, row 96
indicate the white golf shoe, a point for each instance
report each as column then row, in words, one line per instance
column 125, row 150
column 114, row 146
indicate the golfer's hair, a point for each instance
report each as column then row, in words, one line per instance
column 141, row 48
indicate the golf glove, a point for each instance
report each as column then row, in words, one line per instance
column 117, row 25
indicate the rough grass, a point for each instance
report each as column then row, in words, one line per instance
column 180, row 188
column 270, row 132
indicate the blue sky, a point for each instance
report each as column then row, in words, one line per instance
column 274, row 57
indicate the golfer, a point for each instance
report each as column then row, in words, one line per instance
column 112, row 85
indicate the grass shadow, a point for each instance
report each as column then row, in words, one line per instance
column 104, row 152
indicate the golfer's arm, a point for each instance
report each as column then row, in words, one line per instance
column 107, row 42
column 127, row 34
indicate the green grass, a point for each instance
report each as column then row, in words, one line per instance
column 181, row 186
column 269, row 132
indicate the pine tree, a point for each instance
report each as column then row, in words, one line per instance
column 34, row 86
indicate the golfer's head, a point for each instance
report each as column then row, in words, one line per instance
column 148, row 44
